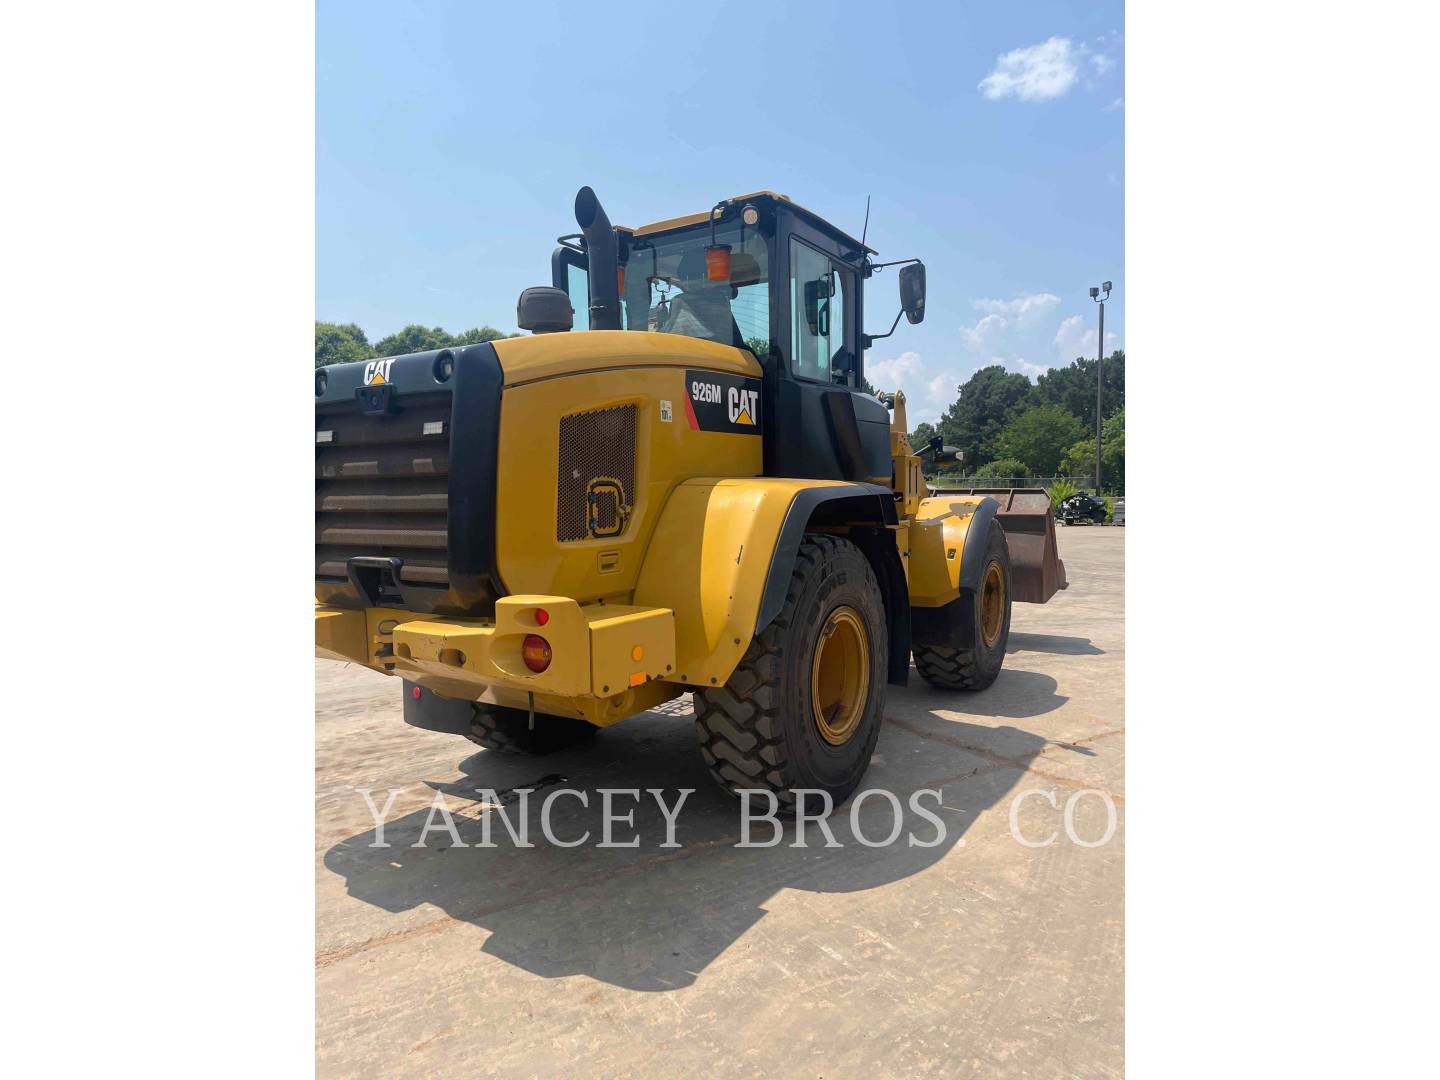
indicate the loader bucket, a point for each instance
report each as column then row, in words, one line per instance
column 1036, row 571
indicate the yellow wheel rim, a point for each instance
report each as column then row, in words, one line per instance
column 840, row 676
column 992, row 604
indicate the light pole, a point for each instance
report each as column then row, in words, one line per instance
column 1099, row 373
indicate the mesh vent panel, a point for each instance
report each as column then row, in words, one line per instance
column 596, row 482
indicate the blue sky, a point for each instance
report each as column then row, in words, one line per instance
column 451, row 138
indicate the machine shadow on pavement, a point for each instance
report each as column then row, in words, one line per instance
column 653, row 918
column 1059, row 644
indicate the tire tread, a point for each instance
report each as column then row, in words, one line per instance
column 508, row 731
column 739, row 724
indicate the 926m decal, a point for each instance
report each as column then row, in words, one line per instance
column 716, row 402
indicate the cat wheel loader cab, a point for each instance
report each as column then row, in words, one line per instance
column 674, row 484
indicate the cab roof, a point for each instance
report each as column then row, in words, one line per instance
column 697, row 219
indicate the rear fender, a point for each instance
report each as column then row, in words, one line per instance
column 723, row 551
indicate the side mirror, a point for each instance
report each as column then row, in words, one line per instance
column 912, row 291
column 544, row 310
column 912, row 297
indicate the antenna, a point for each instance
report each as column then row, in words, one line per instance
column 866, row 228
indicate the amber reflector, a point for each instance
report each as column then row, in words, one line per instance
column 717, row 262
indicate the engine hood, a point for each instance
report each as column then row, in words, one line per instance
column 546, row 356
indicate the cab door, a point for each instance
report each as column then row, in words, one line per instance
column 820, row 426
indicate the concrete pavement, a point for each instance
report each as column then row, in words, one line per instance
column 978, row 956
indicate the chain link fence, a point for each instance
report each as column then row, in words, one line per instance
column 1081, row 483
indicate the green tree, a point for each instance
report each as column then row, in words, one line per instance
column 1112, row 453
column 414, row 338
column 1080, row 458
column 1001, row 468
column 989, row 400
column 1073, row 388
column 336, row 344
column 479, row 334
column 340, row 344
column 1040, row 437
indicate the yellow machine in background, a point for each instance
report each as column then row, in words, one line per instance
column 544, row 535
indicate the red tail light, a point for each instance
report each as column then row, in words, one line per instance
column 536, row 652
column 541, row 616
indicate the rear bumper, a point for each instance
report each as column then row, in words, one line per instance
column 597, row 650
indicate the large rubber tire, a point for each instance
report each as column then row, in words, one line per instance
column 758, row 730
column 508, row 731
column 972, row 665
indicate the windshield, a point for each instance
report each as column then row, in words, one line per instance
column 667, row 289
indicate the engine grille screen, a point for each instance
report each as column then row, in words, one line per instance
column 596, row 483
column 381, row 487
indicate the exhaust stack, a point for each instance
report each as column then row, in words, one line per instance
column 603, row 254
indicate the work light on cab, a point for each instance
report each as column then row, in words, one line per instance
column 535, row 651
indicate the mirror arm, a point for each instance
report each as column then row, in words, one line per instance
column 869, row 339
column 866, row 340
column 873, row 266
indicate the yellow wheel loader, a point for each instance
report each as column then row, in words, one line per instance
column 687, row 492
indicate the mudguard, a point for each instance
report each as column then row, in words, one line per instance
column 723, row 551
column 1036, row 570
column 946, row 530
column 947, row 543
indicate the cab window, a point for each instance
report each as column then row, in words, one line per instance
column 669, row 286
column 817, row 313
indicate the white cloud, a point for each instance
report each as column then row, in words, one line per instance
column 892, row 373
column 1075, row 338
column 928, row 392
column 1115, row 106
column 1035, row 73
column 1006, row 319
column 1070, row 335
column 1021, row 306
column 1047, row 71
column 985, row 330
